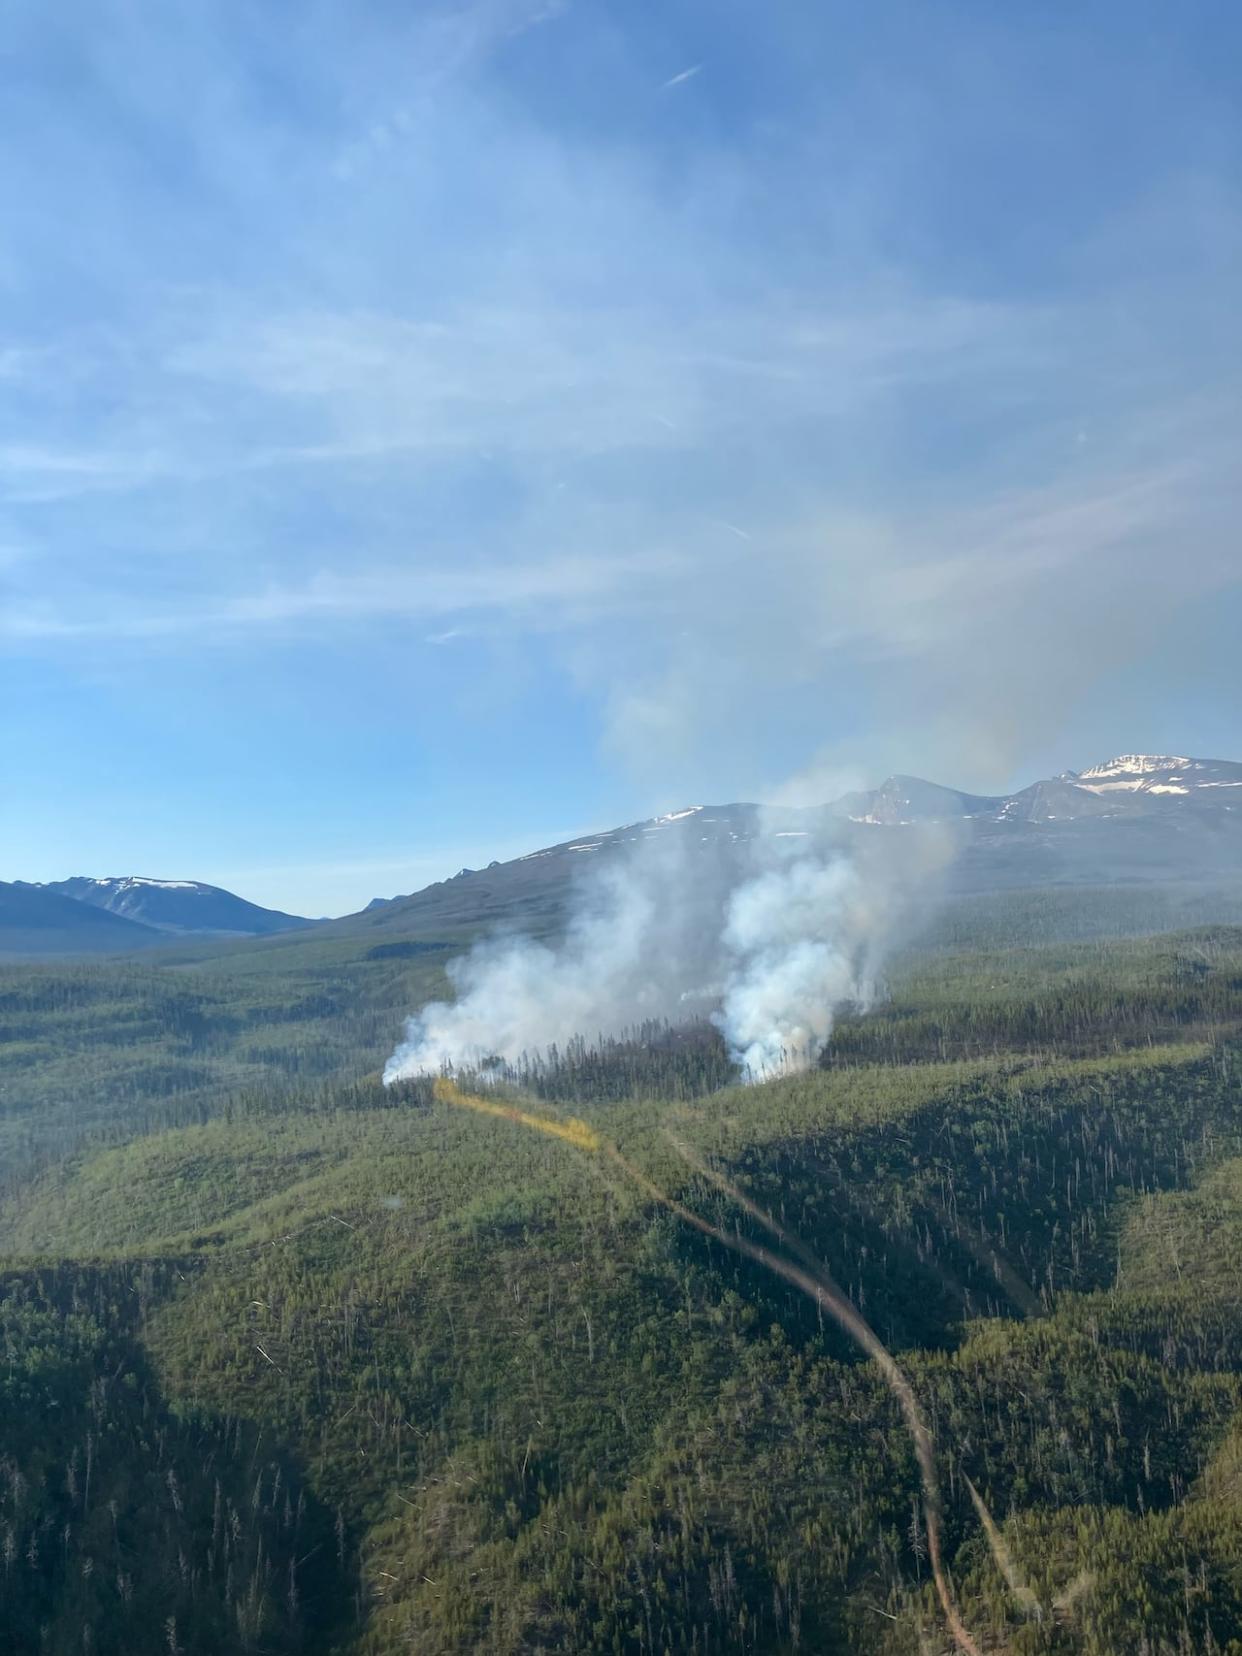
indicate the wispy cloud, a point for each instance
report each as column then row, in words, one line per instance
column 555, row 593
column 298, row 390
column 681, row 78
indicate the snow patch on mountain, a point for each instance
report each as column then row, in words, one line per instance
column 1138, row 764
column 1154, row 773
column 132, row 882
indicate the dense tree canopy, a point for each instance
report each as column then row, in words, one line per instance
column 292, row 1362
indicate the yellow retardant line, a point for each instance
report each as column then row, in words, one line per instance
column 574, row 1132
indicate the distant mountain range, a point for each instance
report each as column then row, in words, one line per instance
column 1140, row 819
column 119, row 913
column 1133, row 785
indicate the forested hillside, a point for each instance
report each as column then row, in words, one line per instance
column 294, row 1362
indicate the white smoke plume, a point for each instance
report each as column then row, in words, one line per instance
column 800, row 941
column 516, row 995
column 768, row 938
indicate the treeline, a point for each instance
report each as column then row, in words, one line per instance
column 656, row 1059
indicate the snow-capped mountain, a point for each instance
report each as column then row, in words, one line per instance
column 1128, row 785
column 1161, row 774
column 177, row 906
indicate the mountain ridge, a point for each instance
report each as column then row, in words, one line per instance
column 175, row 907
column 1050, row 833
column 1134, row 820
column 1130, row 781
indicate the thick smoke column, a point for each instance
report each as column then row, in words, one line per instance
column 768, row 938
column 800, row 940
column 516, row 996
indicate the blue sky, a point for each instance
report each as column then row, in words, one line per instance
column 429, row 431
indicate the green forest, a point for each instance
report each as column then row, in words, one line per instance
column 294, row 1362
